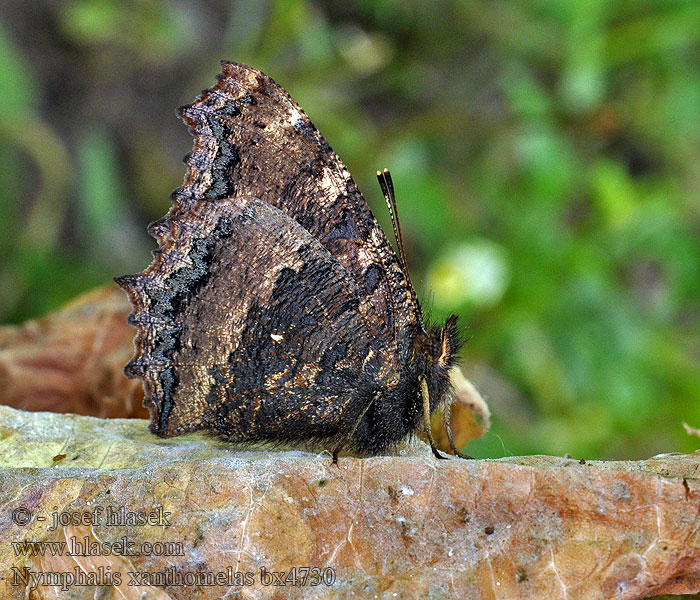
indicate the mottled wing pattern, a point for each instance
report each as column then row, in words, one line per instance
column 252, row 139
column 249, row 328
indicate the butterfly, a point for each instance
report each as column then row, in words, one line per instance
column 275, row 307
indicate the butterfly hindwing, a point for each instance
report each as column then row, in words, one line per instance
column 245, row 319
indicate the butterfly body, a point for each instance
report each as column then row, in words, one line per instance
column 275, row 308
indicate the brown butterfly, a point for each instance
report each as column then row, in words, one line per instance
column 275, row 307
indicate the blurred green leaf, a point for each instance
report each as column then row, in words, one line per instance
column 18, row 89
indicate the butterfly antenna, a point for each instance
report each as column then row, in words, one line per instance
column 387, row 185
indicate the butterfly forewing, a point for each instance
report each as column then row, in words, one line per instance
column 252, row 139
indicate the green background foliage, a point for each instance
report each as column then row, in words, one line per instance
column 545, row 154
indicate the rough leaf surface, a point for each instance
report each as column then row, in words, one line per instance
column 405, row 526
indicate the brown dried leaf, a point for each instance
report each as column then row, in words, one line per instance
column 73, row 360
column 470, row 417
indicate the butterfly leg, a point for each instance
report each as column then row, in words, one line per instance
column 426, row 418
column 448, row 428
column 355, row 425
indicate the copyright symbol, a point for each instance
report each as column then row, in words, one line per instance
column 21, row 516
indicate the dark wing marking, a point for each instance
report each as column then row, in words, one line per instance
column 252, row 139
column 249, row 328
